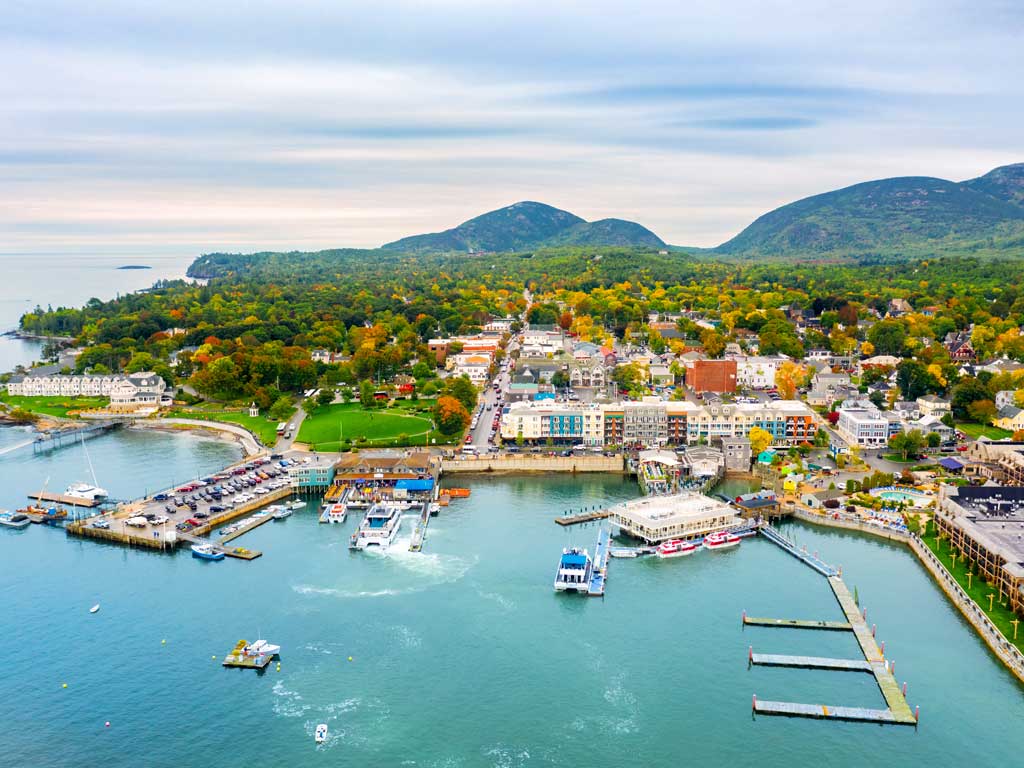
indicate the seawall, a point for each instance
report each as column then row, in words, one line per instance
column 534, row 463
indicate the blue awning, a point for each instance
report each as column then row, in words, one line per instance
column 951, row 464
column 415, row 485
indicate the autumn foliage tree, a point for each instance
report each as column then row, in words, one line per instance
column 760, row 439
column 788, row 378
column 450, row 415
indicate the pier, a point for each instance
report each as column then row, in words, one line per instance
column 599, row 572
column 420, row 532
column 583, row 517
column 833, row 626
column 50, row 441
column 812, row 561
column 60, row 498
column 827, row 712
column 808, row 662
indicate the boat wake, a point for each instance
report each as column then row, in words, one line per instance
column 289, row 703
column 623, row 712
column 307, row 589
column 505, row 603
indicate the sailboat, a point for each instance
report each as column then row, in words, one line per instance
column 85, row 490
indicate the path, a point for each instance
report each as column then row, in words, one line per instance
column 250, row 444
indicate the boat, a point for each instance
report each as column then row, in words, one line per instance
column 94, row 608
column 574, row 571
column 624, row 552
column 721, row 540
column 379, row 527
column 321, row 733
column 336, row 513
column 282, row 513
column 295, row 504
column 675, row 548
column 85, row 491
column 206, row 552
column 14, row 520
column 434, row 508
column 261, row 648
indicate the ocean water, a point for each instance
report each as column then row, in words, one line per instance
column 68, row 281
column 462, row 655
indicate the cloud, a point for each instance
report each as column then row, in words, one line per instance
column 234, row 125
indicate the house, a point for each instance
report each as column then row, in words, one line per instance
column 755, row 372
column 1006, row 397
column 737, row 453
column 817, row 499
column 1010, row 418
column 907, row 410
column 826, row 386
column 931, row 423
column 878, row 361
column 862, row 424
column 898, row 307
column 933, row 405
column 958, row 344
column 661, row 375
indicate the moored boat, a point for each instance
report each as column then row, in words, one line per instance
column 379, row 527
column 14, row 519
column 575, row 568
column 206, row 552
column 86, row 492
column 721, row 540
column 336, row 513
column 282, row 513
column 675, row 548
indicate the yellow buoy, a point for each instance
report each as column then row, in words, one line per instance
column 163, row 642
column 350, row 658
column 65, row 685
column 213, row 657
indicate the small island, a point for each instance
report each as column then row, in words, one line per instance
column 135, row 266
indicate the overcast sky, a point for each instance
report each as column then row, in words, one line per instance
column 276, row 125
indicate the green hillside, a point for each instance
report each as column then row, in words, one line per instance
column 606, row 232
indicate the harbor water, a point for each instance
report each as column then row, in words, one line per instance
column 461, row 655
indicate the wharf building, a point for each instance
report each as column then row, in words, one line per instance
column 652, row 422
column 681, row 516
column 986, row 525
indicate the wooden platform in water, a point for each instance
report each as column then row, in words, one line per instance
column 60, row 498
column 587, row 517
column 244, row 529
column 827, row 712
column 833, row 626
column 242, row 553
column 810, row 662
column 237, row 659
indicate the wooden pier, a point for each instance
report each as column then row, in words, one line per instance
column 585, row 517
column 60, row 498
column 827, row 712
column 251, row 525
column 59, row 438
column 809, row 662
column 833, row 626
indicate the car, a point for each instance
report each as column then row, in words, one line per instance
column 201, row 515
column 104, row 524
column 468, row 440
column 195, row 523
column 160, row 520
column 160, row 497
column 185, row 489
column 170, row 510
column 215, row 508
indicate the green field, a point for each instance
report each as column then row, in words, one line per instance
column 54, row 406
column 263, row 428
column 975, row 431
column 328, row 427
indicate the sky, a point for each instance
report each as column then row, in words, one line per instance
column 142, row 128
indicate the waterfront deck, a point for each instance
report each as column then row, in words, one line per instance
column 60, row 498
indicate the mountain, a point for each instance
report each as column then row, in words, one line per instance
column 912, row 215
column 524, row 226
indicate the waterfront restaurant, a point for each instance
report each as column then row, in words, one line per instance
column 681, row 516
column 986, row 525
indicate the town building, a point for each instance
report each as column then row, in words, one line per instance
column 736, row 451
column 933, row 405
column 686, row 515
column 124, row 390
column 757, row 372
column 862, row 424
column 711, row 376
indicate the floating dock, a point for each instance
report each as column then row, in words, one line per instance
column 826, row 712
column 238, row 659
column 809, row 662
column 251, row 525
column 584, row 517
column 420, row 532
column 599, row 573
column 833, row 626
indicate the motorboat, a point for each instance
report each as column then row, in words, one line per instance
column 379, row 527
column 575, row 568
column 336, row 513
column 95, row 608
column 86, row 492
column 321, row 733
column 721, row 540
column 14, row 519
column 675, row 548
column 261, row 648
column 295, row 504
column 206, row 552
column 282, row 513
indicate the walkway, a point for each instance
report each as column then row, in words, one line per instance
column 812, row 561
column 250, row 444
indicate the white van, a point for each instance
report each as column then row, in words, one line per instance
column 469, row 450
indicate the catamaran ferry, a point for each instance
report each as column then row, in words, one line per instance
column 720, row 540
column 574, row 571
column 379, row 527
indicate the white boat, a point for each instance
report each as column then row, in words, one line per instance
column 321, row 733
column 720, row 540
column 85, row 492
column 336, row 513
column 624, row 552
column 261, row 648
column 574, row 570
column 206, row 552
column 94, row 608
column 296, row 504
column 379, row 527
column 282, row 513
column 14, row 520
column 675, row 548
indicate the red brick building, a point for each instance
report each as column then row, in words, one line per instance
column 712, row 376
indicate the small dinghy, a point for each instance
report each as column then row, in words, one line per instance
column 321, row 733
column 94, row 608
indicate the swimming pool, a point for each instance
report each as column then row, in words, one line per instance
column 903, row 495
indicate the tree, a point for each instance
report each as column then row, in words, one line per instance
column 309, row 405
column 934, row 439
column 347, row 394
column 325, row 397
column 906, row 443
column 463, row 390
column 968, row 390
column 788, row 378
column 982, row 411
column 366, row 391
column 560, row 379
column 888, row 337
column 915, row 379
column 450, row 415
column 282, row 408
column 760, row 439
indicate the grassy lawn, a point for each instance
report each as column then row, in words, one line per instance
column 327, row 427
column 897, row 458
column 1000, row 615
column 54, row 406
column 975, row 431
column 263, row 428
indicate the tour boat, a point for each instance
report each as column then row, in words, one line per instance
column 321, row 733
column 721, row 540
column 336, row 513
column 574, row 571
column 15, row 520
column 85, row 491
column 676, row 548
column 206, row 552
column 379, row 527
